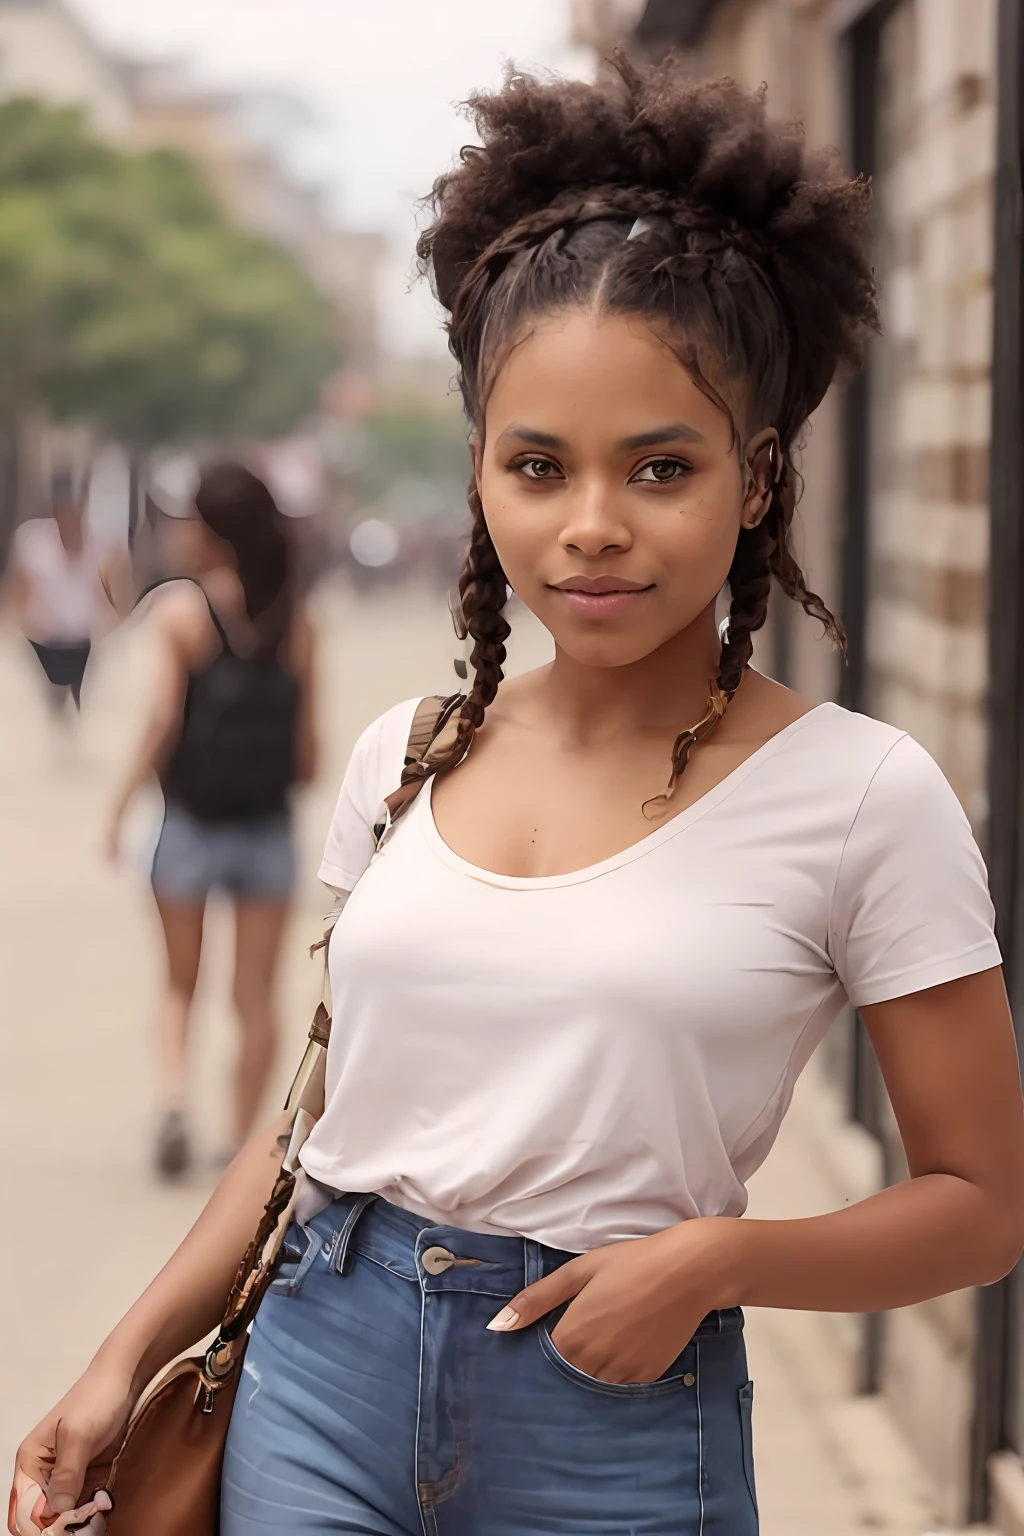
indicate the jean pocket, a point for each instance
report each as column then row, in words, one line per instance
column 298, row 1249
column 746, row 1402
column 679, row 1377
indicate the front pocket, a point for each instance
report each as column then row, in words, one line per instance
column 746, row 1401
column 680, row 1376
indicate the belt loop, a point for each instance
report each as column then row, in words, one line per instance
column 339, row 1259
column 533, row 1262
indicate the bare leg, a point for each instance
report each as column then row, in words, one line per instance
column 259, row 926
column 183, row 935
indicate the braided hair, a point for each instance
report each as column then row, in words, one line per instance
column 686, row 206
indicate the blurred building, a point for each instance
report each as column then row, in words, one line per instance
column 46, row 52
column 911, row 526
column 236, row 139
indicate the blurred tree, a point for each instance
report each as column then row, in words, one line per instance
column 128, row 300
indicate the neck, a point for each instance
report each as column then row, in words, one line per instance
column 662, row 691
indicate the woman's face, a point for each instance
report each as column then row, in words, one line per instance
column 611, row 486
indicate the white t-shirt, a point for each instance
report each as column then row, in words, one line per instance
column 64, row 597
column 596, row 1056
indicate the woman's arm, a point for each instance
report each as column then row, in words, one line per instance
column 949, row 1061
column 186, row 1300
column 181, row 628
column 182, row 1305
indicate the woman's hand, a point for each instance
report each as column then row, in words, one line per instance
column 634, row 1306
column 28, row 1502
column 78, row 1436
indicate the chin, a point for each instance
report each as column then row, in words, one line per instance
column 605, row 650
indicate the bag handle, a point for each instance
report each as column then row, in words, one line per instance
column 305, row 1102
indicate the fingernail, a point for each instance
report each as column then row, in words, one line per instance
column 102, row 1500
column 506, row 1318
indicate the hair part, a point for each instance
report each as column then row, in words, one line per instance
column 749, row 259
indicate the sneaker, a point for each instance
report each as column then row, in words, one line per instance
column 172, row 1146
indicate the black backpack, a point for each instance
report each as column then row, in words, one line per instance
column 235, row 757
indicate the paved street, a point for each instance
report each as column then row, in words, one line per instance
column 79, row 958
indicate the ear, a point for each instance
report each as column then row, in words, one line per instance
column 763, row 460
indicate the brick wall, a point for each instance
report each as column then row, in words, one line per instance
column 930, row 398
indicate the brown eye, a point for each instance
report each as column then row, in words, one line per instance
column 660, row 472
column 538, row 469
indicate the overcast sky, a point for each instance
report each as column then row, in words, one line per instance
column 383, row 77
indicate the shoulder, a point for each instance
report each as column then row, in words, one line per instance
column 178, row 613
column 880, row 760
column 846, row 780
column 378, row 756
column 374, row 770
column 899, row 805
column 843, row 751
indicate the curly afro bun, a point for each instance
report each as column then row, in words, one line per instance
column 684, row 204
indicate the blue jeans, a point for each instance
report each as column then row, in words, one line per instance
column 374, row 1400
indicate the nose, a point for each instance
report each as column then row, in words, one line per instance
column 593, row 521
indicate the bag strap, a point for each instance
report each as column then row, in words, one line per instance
column 432, row 725
column 432, row 735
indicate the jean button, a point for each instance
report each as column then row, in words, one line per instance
column 689, row 1379
column 436, row 1260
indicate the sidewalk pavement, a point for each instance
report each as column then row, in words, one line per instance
column 80, row 960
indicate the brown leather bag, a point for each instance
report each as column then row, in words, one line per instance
column 165, row 1479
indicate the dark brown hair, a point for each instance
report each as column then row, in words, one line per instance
column 751, row 259
column 239, row 508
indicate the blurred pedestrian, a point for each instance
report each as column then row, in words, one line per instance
column 230, row 733
column 62, row 586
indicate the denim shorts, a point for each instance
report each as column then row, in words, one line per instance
column 252, row 860
column 373, row 1399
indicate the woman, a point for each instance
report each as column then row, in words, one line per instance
column 62, row 588
column 230, row 732
column 576, row 983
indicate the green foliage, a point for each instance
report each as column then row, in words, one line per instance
column 409, row 442
column 127, row 299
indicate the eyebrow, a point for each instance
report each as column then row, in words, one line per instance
column 676, row 431
column 532, row 435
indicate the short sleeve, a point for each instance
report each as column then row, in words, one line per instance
column 374, row 770
column 911, row 907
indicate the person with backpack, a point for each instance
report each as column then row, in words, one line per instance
column 230, row 733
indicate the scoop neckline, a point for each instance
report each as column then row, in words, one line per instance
column 637, row 850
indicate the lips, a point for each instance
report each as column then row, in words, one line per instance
column 599, row 597
column 600, row 586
